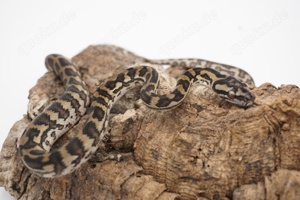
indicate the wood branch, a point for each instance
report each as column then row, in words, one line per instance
column 204, row 149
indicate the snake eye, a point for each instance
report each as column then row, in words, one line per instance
column 231, row 94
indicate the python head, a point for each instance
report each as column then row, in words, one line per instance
column 234, row 91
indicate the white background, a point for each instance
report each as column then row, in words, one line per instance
column 261, row 37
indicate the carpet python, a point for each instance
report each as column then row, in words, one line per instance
column 34, row 145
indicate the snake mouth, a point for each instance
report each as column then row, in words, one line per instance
column 248, row 100
column 248, row 103
column 244, row 103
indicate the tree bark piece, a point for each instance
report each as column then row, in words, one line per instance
column 204, row 149
column 283, row 184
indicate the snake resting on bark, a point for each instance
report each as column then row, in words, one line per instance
column 34, row 145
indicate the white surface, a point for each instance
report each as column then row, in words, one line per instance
column 261, row 37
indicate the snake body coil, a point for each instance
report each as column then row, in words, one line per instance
column 34, row 145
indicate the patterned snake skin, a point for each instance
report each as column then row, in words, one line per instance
column 34, row 146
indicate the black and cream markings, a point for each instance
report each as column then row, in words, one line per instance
column 34, row 145
column 227, row 70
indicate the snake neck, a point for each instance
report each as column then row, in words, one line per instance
column 205, row 76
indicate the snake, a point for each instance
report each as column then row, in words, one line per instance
column 35, row 143
column 187, row 63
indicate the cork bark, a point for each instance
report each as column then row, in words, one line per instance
column 204, row 149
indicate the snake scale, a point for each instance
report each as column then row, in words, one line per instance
column 34, row 145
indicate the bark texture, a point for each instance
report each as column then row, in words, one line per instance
column 204, row 149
